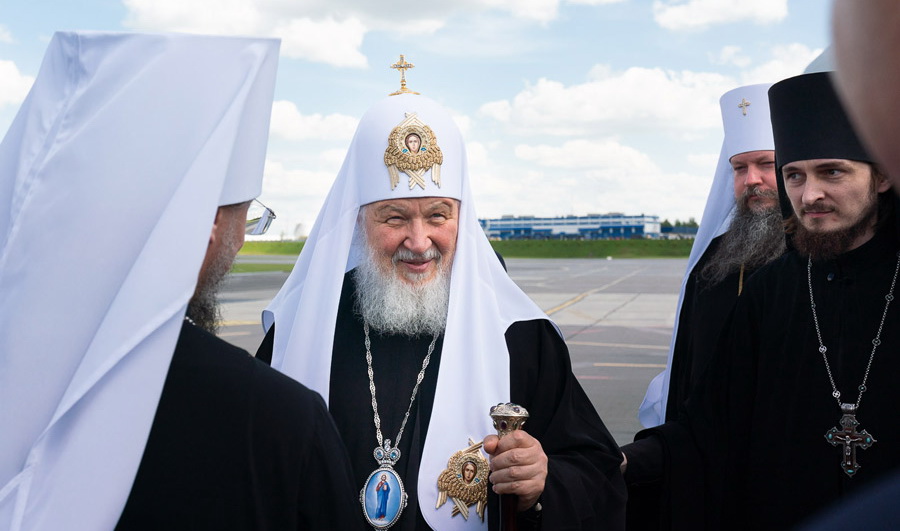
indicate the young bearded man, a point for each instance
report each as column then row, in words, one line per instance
column 805, row 393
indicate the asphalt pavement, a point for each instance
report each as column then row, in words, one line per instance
column 616, row 316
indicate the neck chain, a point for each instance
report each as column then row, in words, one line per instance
column 847, row 436
column 412, row 399
column 375, row 496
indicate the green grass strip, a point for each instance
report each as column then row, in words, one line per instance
column 261, row 268
column 521, row 249
column 593, row 248
column 272, row 248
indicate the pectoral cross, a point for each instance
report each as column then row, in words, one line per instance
column 849, row 439
column 743, row 104
column 402, row 65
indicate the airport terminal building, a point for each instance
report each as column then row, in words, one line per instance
column 613, row 226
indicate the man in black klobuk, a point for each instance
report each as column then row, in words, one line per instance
column 116, row 410
column 799, row 408
column 400, row 313
column 866, row 79
column 741, row 230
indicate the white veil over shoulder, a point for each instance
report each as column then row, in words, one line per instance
column 484, row 301
column 745, row 116
column 110, row 177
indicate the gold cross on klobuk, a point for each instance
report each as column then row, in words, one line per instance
column 402, row 65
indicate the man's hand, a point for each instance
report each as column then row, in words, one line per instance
column 518, row 466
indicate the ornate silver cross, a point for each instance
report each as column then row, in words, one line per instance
column 849, row 438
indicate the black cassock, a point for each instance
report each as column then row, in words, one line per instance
column 704, row 312
column 584, row 488
column 237, row 445
column 758, row 419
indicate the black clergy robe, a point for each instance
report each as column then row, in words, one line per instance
column 779, row 399
column 705, row 309
column 237, row 445
column 704, row 312
column 584, row 489
column 757, row 421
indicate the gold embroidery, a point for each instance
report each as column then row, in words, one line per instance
column 464, row 481
column 413, row 149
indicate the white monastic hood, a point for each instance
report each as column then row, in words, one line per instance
column 484, row 301
column 110, row 177
column 745, row 116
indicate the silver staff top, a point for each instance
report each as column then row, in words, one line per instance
column 508, row 418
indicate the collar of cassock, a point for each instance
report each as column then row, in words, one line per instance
column 484, row 301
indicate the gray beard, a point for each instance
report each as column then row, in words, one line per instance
column 753, row 240
column 393, row 306
column 204, row 308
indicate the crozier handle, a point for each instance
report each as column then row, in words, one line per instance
column 508, row 418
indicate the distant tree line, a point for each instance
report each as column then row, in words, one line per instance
column 691, row 222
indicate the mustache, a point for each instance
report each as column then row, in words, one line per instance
column 757, row 191
column 405, row 255
column 817, row 209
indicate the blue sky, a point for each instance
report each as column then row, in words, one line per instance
column 567, row 106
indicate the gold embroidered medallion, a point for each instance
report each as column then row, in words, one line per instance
column 464, row 481
column 413, row 150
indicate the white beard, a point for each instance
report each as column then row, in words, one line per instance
column 392, row 305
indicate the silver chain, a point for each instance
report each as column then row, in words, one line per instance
column 415, row 390
column 875, row 342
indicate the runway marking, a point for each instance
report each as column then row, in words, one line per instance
column 619, row 345
column 580, row 297
column 239, row 323
column 232, row 334
column 633, row 365
column 585, row 377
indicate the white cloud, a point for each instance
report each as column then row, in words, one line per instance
column 638, row 99
column 594, row 2
column 332, row 159
column 326, row 41
column 395, row 13
column 730, row 55
column 487, row 36
column 13, row 84
column 197, row 16
column 505, row 190
column 707, row 161
column 582, row 176
column 326, row 31
column 323, row 38
column 587, row 154
column 498, row 110
column 463, row 122
column 787, row 60
column 289, row 124
column 5, row 35
column 295, row 195
column 680, row 15
column 286, row 183
column 539, row 10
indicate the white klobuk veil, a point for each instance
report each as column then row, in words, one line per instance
column 484, row 301
column 745, row 116
column 110, row 178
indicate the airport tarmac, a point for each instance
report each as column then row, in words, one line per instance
column 616, row 315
